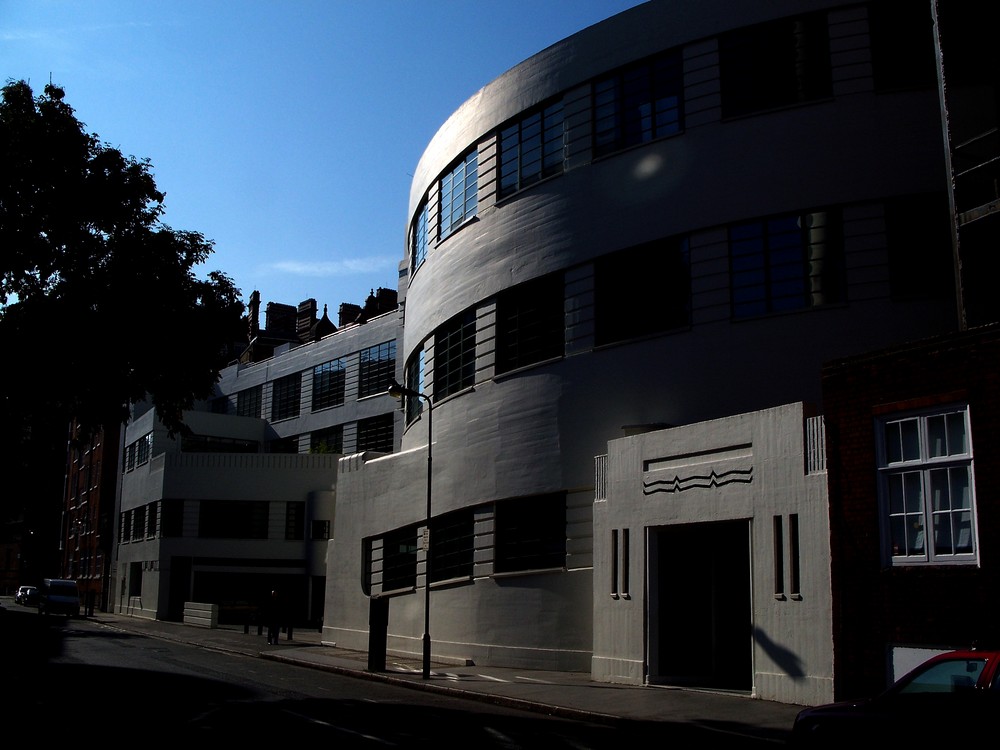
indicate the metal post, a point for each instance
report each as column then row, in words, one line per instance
column 427, row 552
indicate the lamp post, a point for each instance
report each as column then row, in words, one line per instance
column 397, row 391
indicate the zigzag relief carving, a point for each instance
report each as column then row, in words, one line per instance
column 698, row 481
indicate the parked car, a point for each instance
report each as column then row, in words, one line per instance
column 27, row 595
column 941, row 700
column 59, row 596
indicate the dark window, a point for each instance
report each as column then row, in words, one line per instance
column 452, row 542
column 642, row 291
column 329, row 440
column 775, row 64
column 399, row 559
column 530, row 323
column 902, row 39
column 918, row 233
column 211, row 444
column 284, row 445
column 378, row 366
column 531, row 149
column 320, row 530
column 172, row 523
column 459, row 194
column 285, row 397
column 375, row 434
column 530, row 533
column 415, row 382
column 638, row 103
column 220, row 405
column 786, row 263
column 232, row 519
column 248, row 402
column 295, row 513
column 455, row 355
column 329, row 381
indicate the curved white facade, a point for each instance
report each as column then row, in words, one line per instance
column 703, row 267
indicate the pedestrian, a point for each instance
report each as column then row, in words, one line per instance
column 272, row 614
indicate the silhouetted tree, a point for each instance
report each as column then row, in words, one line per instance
column 100, row 303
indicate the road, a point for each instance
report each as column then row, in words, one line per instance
column 87, row 681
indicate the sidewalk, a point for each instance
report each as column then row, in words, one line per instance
column 566, row 694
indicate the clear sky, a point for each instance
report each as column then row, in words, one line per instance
column 285, row 131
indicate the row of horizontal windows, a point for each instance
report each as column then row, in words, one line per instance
column 329, row 381
column 529, row 534
column 779, row 63
column 217, row 519
column 790, row 262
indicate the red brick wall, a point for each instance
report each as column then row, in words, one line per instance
column 875, row 606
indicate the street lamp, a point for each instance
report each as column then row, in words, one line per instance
column 397, row 391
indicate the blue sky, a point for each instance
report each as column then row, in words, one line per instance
column 284, row 131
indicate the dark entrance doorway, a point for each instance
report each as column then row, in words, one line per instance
column 700, row 608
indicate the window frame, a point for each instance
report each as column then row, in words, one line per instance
column 329, row 384
column 376, row 368
column 915, row 469
column 458, row 196
column 628, row 104
column 531, row 148
column 530, row 534
column 286, row 397
column 530, row 323
column 376, row 433
column 793, row 269
column 455, row 355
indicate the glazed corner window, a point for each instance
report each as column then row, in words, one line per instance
column 329, row 380
column 775, row 64
column 639, row 103
column 786, row 263
column 624, row 308
column 378, row 365
column 532, row 148
column 248, row 401
column 926, row 488
column 285, row 397
column 418, row 240
column 455, row 355
column 459, row 194
column 530, row 323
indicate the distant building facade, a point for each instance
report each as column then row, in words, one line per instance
column 243, row 501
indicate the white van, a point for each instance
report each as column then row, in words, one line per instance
column 59, row 596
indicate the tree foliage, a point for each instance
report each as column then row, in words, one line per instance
column 101, row 304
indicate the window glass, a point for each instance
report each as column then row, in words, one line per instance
column 786, row 263
column 530, row 323
column 459, row 194
column 639, row 103
column 775, row 64
column 625, row 308
column 329, row 384
column 399, row 559
column 415, row 382
column 328, row 440
column 455, row 355
column 285, row 396
column 532, row 148
column 376, row 434
column 530, row 533
column 248, row 401
column 418, row 240
column 927, row 488
column 451, row 545
column 378, row 366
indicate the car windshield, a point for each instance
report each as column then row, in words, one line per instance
column 946, row 677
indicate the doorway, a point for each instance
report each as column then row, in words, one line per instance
column 700, row 607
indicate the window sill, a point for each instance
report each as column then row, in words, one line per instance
column 397, row 592
column 448, row 582
column 527, row 572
